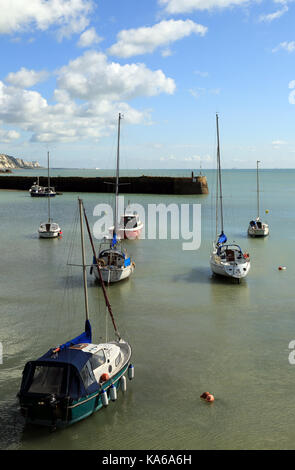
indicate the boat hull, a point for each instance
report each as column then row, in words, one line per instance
column 73, row 411
column 112, row 274
column 258, row 232
column 232, row 270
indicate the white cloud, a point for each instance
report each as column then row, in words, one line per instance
column 25, row 78
column 277, row 143
column 68, row 15
column 146, row 39
column 88, row 38
column 8, row 136
column 91, row 76
column 274, row 16
column 90, row 92
column 184, row 6
column 287, row 46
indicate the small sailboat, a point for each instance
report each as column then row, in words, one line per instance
column 114, row 262
column 73, row 380
column 36, row 190
column 227, row 259
column 49, row 229
column 257, row 228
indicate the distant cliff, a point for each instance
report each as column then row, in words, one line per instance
column 8, row 163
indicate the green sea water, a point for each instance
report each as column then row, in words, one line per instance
column 190, row 332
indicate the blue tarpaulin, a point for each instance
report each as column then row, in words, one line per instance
column 127, row 262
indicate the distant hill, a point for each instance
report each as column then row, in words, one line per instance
column 9, row 163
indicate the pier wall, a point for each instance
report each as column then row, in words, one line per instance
column 138, row 185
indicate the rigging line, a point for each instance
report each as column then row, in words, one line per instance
column 100, row 276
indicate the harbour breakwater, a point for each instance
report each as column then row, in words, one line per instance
column 133, row 185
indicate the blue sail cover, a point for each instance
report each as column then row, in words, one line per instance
column 84, row 337
column 114, row 241
column 127, row 262
column 222, row 238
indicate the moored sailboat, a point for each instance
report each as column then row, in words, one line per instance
column 114, row 261
column 227, row 259
column 73, row 380
column 49, row 229
column 258, row 228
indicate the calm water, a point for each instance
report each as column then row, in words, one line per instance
column 190, row 332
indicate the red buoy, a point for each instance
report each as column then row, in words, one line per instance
column 104, row 377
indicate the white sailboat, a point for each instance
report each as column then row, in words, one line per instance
column 49, row 229
column 114, row 262
column 227, row 259
column 257, row 228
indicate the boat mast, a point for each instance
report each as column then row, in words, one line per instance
column 48, row 183
column 83, row 260
column 257, row 189
column 100, row 277
column 117, row 176
column 219, row 173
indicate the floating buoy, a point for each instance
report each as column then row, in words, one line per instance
column 266, row 211
column 207, row 397
column 104, row 398
column 131, row 372
column 210, row 398
column 113, row 392
column 282, row 268
column 104, row 378
column 123, row 383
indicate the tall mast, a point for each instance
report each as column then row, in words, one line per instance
column 257, row 189
column 117, row 176
column 219, row 174
column 83, row 260
column 48, row 184
column 100, row 277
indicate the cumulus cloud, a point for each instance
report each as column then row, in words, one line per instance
column 89, row 94
column 68, row 15
column 185, row 6
column 146, row 39
column 25, row 78
column 91, row 76
column 88, row 38
column 7, row 136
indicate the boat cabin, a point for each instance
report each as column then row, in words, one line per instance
column 129, row 221
column 112, row 257
column 230, row 252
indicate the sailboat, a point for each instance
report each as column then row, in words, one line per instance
column 49, row 229
column 257, row 228
column 36, row 190
column 227, row 259
column 73, row 380
column 115, row 263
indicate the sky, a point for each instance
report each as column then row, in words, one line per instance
column 69, row 67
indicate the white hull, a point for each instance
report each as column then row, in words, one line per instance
column 234, row 269
column 258, row 232
column 113, row 274
column 49, row 230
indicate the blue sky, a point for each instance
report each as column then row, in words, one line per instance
column 68, row 67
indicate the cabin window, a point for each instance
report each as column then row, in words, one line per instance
column 87, row 375
column 118, row 360
column 47, row 380
column 98, row 359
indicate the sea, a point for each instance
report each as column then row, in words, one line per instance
column 190, row 331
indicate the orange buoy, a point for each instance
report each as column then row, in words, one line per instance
column 210, row 398
column 281, row 268
column 104, row 377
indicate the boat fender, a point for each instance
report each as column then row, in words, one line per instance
column 91, row 269
column 133, row 264
column 246, row 255
column 104, row 398
column 282, row 268
column 210, row 398
column 104, row 378
column 113, row 392
column 131, row 372
column 123, row 383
